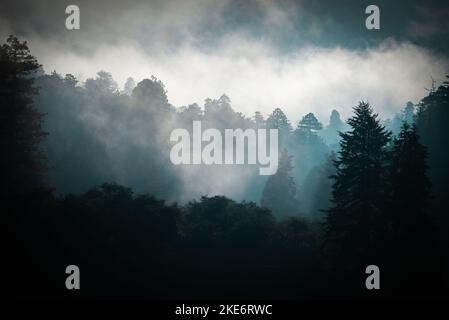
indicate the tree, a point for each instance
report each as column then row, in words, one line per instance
column 278, row 120
column 317, row 192
column 309, row 123
column 151, row 91
column 432, row 121
column 130, row 84
column 356, row 222
column 21, row 124
column 335, row 121
column 103, row 84
column 279, row 194
column 259, row 120
column 306, row 131
column 336, row 125
column 70, row 80
column 309, row 148
column 412, row 248
column 410, row 184
column 409, row 113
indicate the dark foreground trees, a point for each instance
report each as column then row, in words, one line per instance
column 411, row 235
column 136, row 246
column 20, row 123
column 356, row 223
column 378, row 214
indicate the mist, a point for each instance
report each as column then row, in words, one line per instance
column 294, row 55
column 262, row 54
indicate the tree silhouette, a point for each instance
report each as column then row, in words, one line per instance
column 432, row 121
column 412, row 249
column 330, row 133
column 307, row 147
column 309, row 124
column 356, row 222
column 279, row 194
column 409, row 182
column 278, row 120
column 21, row 124
column 103, row 84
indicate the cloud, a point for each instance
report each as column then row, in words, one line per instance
column 247, row 50
column 256, row 76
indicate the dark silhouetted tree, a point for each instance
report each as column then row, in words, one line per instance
column 21, row 124
column 409, row 182
column 356, row 222
column 412, row 247
column 432, row 121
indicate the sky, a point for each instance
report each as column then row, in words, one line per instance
column 302, row 56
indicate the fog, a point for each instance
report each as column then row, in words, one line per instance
column 263, row 54
column 300, row 56
column 256, row 78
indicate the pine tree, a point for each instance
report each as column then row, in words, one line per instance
column 331, row 133
column 335, row 121
column 21, row 131
column 432, row 121
column 279, row 194
column 309, row 149
column 278, row 120
column 306, row 131
column 356, row 222
column 409, row 182
column 309, row 123
column 412, row 248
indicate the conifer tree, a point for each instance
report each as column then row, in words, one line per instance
column 279, row 194
column 411, row 242
column 409, row 182
column 309, row 149
column 278, row 120
column 309, row 123
column 20, row 123
column 356, row 222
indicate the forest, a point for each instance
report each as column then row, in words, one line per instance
column 86, row 179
